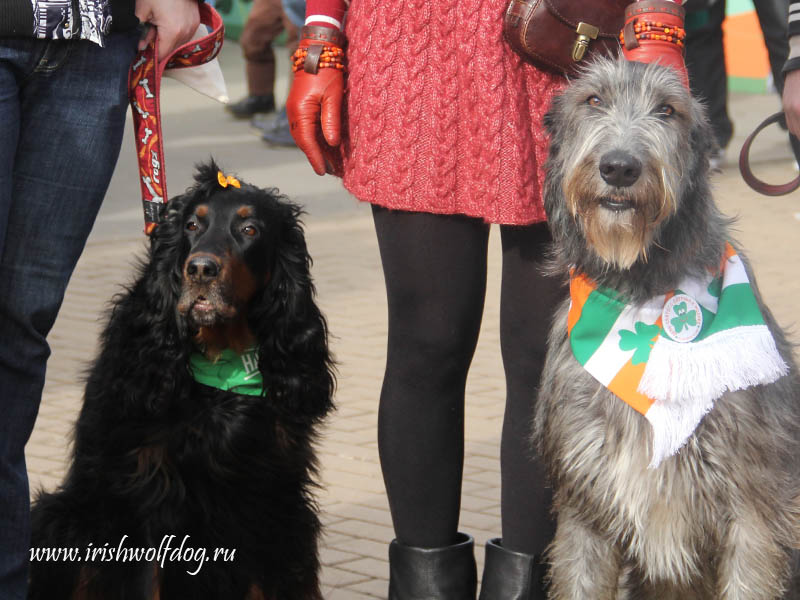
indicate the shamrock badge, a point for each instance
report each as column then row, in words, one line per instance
column 640, row 341
column 682, row 318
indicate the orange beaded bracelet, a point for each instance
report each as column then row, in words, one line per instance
column 317, row 56
column 655, row 30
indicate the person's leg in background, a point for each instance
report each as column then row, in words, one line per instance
column 774, row 27
column 62, row 113
column 772, row 18
column 276, row 131
column 705, row 63
column 513, row 568
column 435, row 271
column 264, row 23
column 295, row 11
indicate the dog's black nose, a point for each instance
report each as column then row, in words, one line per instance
column 202, row 268
column 619, row 168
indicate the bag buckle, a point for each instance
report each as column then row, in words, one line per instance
column 586, row 32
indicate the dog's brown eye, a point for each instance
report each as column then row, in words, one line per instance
column 665, row 110
column 249, row 230
column 594, row 101
column 191, row 226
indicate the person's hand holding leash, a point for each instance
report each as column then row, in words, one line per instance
column 315, row 98
column 173, row 21
column 791, row 101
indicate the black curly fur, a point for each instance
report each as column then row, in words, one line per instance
column 158, row 454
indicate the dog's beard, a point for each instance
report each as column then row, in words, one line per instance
column 618, row 223
column 206, row 306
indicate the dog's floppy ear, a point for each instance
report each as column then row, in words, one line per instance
column 145, row 327
column 290, row 329
column 702, row 138
column 166, row 250
column 551, row 116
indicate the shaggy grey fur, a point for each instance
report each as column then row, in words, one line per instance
column 720, row 518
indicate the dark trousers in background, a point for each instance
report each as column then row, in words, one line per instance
column 705, row 56
column 265, row 22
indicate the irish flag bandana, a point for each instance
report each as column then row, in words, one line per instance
column 672, row 356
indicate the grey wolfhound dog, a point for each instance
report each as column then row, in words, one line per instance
column 630, row 207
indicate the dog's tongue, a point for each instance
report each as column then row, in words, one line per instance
column 654, row 32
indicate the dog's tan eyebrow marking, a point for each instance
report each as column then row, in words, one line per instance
column 245, row 211
column 201, row 211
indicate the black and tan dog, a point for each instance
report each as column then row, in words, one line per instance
column 193, row 465
column 669, row 411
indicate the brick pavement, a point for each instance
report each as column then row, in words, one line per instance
column 350, row 288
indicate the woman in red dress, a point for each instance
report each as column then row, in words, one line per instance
column 438, row 124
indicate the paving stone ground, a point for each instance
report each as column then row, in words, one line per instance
column 351, row 293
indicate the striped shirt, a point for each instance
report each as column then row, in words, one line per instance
column 794, row 18
column 90, row 20
column 793, row 62
column 58, row 19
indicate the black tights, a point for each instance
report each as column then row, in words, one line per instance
column 435, row 270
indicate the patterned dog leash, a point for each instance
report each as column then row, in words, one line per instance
column 144, row 87
column 754, row 182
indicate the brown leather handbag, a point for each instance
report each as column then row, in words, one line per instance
column 559, row 35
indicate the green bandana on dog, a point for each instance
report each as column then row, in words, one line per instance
column 231, row 372
column 671, row 357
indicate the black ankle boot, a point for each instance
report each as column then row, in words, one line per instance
column 511, row 575
column 447, row 573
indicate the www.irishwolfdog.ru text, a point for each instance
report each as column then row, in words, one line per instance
column 167, row 551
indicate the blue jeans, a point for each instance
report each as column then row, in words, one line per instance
column 62, row 115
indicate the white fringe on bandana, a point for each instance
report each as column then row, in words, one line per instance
column 710, row 338
column 686, row 379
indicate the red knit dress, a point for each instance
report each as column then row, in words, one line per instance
column 440, row 115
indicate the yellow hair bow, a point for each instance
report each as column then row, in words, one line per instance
column 226, row 180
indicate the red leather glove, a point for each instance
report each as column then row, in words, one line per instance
column 663, row 42
column 315, row 100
